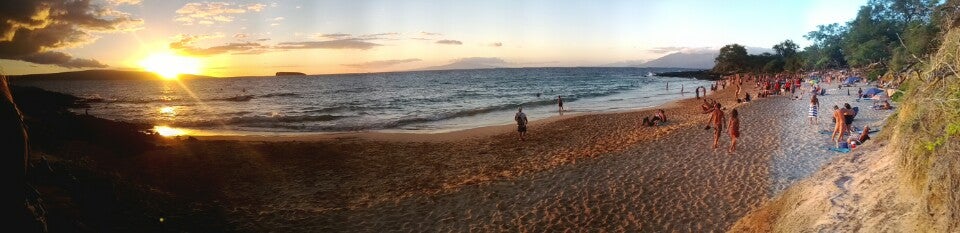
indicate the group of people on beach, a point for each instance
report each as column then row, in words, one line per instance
column 767, row 85
column 717, row 121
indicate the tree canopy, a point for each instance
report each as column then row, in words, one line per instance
column 885, row 35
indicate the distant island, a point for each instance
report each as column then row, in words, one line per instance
column 290, row 74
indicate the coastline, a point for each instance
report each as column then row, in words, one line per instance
column 665, row 177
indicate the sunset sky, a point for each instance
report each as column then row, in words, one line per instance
column 245, row 38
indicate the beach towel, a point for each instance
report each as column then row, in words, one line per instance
column 841, row 150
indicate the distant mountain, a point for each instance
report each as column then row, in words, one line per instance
column 702, row 60
column 695, row 60
column 472, row 63
column 98, row 75
column 630, row 63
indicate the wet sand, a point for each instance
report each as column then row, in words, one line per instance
column 587, row 172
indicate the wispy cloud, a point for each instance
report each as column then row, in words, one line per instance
column 380, row 64
column 449, row 42
column 212, row 12
column 328, row 44
column 122, row 2
column 29, row 30
column 496, row 44
column 375, row 36
column 186, row 44
column 336, row 36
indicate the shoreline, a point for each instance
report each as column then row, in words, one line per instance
column 397, row 135
column 605, row 164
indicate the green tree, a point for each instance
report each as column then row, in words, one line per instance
column 732, row 58
column 788, row 57
column 786, row 49
column 827, row 49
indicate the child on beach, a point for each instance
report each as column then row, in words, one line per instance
column 717, row 118
column 521, row 119
column 734, row 126
column 814, row 109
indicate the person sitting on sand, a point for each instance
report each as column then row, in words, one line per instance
column 734, row 126
column 717, row 118
column 886, row 105
column 814, row 111
column 521, row 119
column 859, row 140
column 660, row 117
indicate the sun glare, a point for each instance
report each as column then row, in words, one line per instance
column 169, row 66
column 168, row 110
column 167, row 131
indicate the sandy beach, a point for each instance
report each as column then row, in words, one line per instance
column 587, row 172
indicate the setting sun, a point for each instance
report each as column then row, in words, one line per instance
column 169, row 65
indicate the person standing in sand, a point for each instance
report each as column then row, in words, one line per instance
column 814, row 110
column 717, row 118
column 737, row 96
column 560, row 104
column 839, row 125
column 521, row 119
column 734, row 126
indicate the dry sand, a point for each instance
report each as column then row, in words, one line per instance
column 589, row 172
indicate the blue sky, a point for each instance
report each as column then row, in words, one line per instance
column 259, row 37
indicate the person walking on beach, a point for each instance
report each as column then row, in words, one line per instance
column 734, row 126
column 717, row 118
column 814, row 110
column 521, row 119
column 560, row 104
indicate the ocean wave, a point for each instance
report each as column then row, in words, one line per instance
column 282, row 94
column 132, row 101
column 239, row 98
column 467, row 113
column 258, row 120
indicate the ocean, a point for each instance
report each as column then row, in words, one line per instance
column 419, row 102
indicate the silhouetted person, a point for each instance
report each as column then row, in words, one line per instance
column 560, row 104
column 521, row 119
